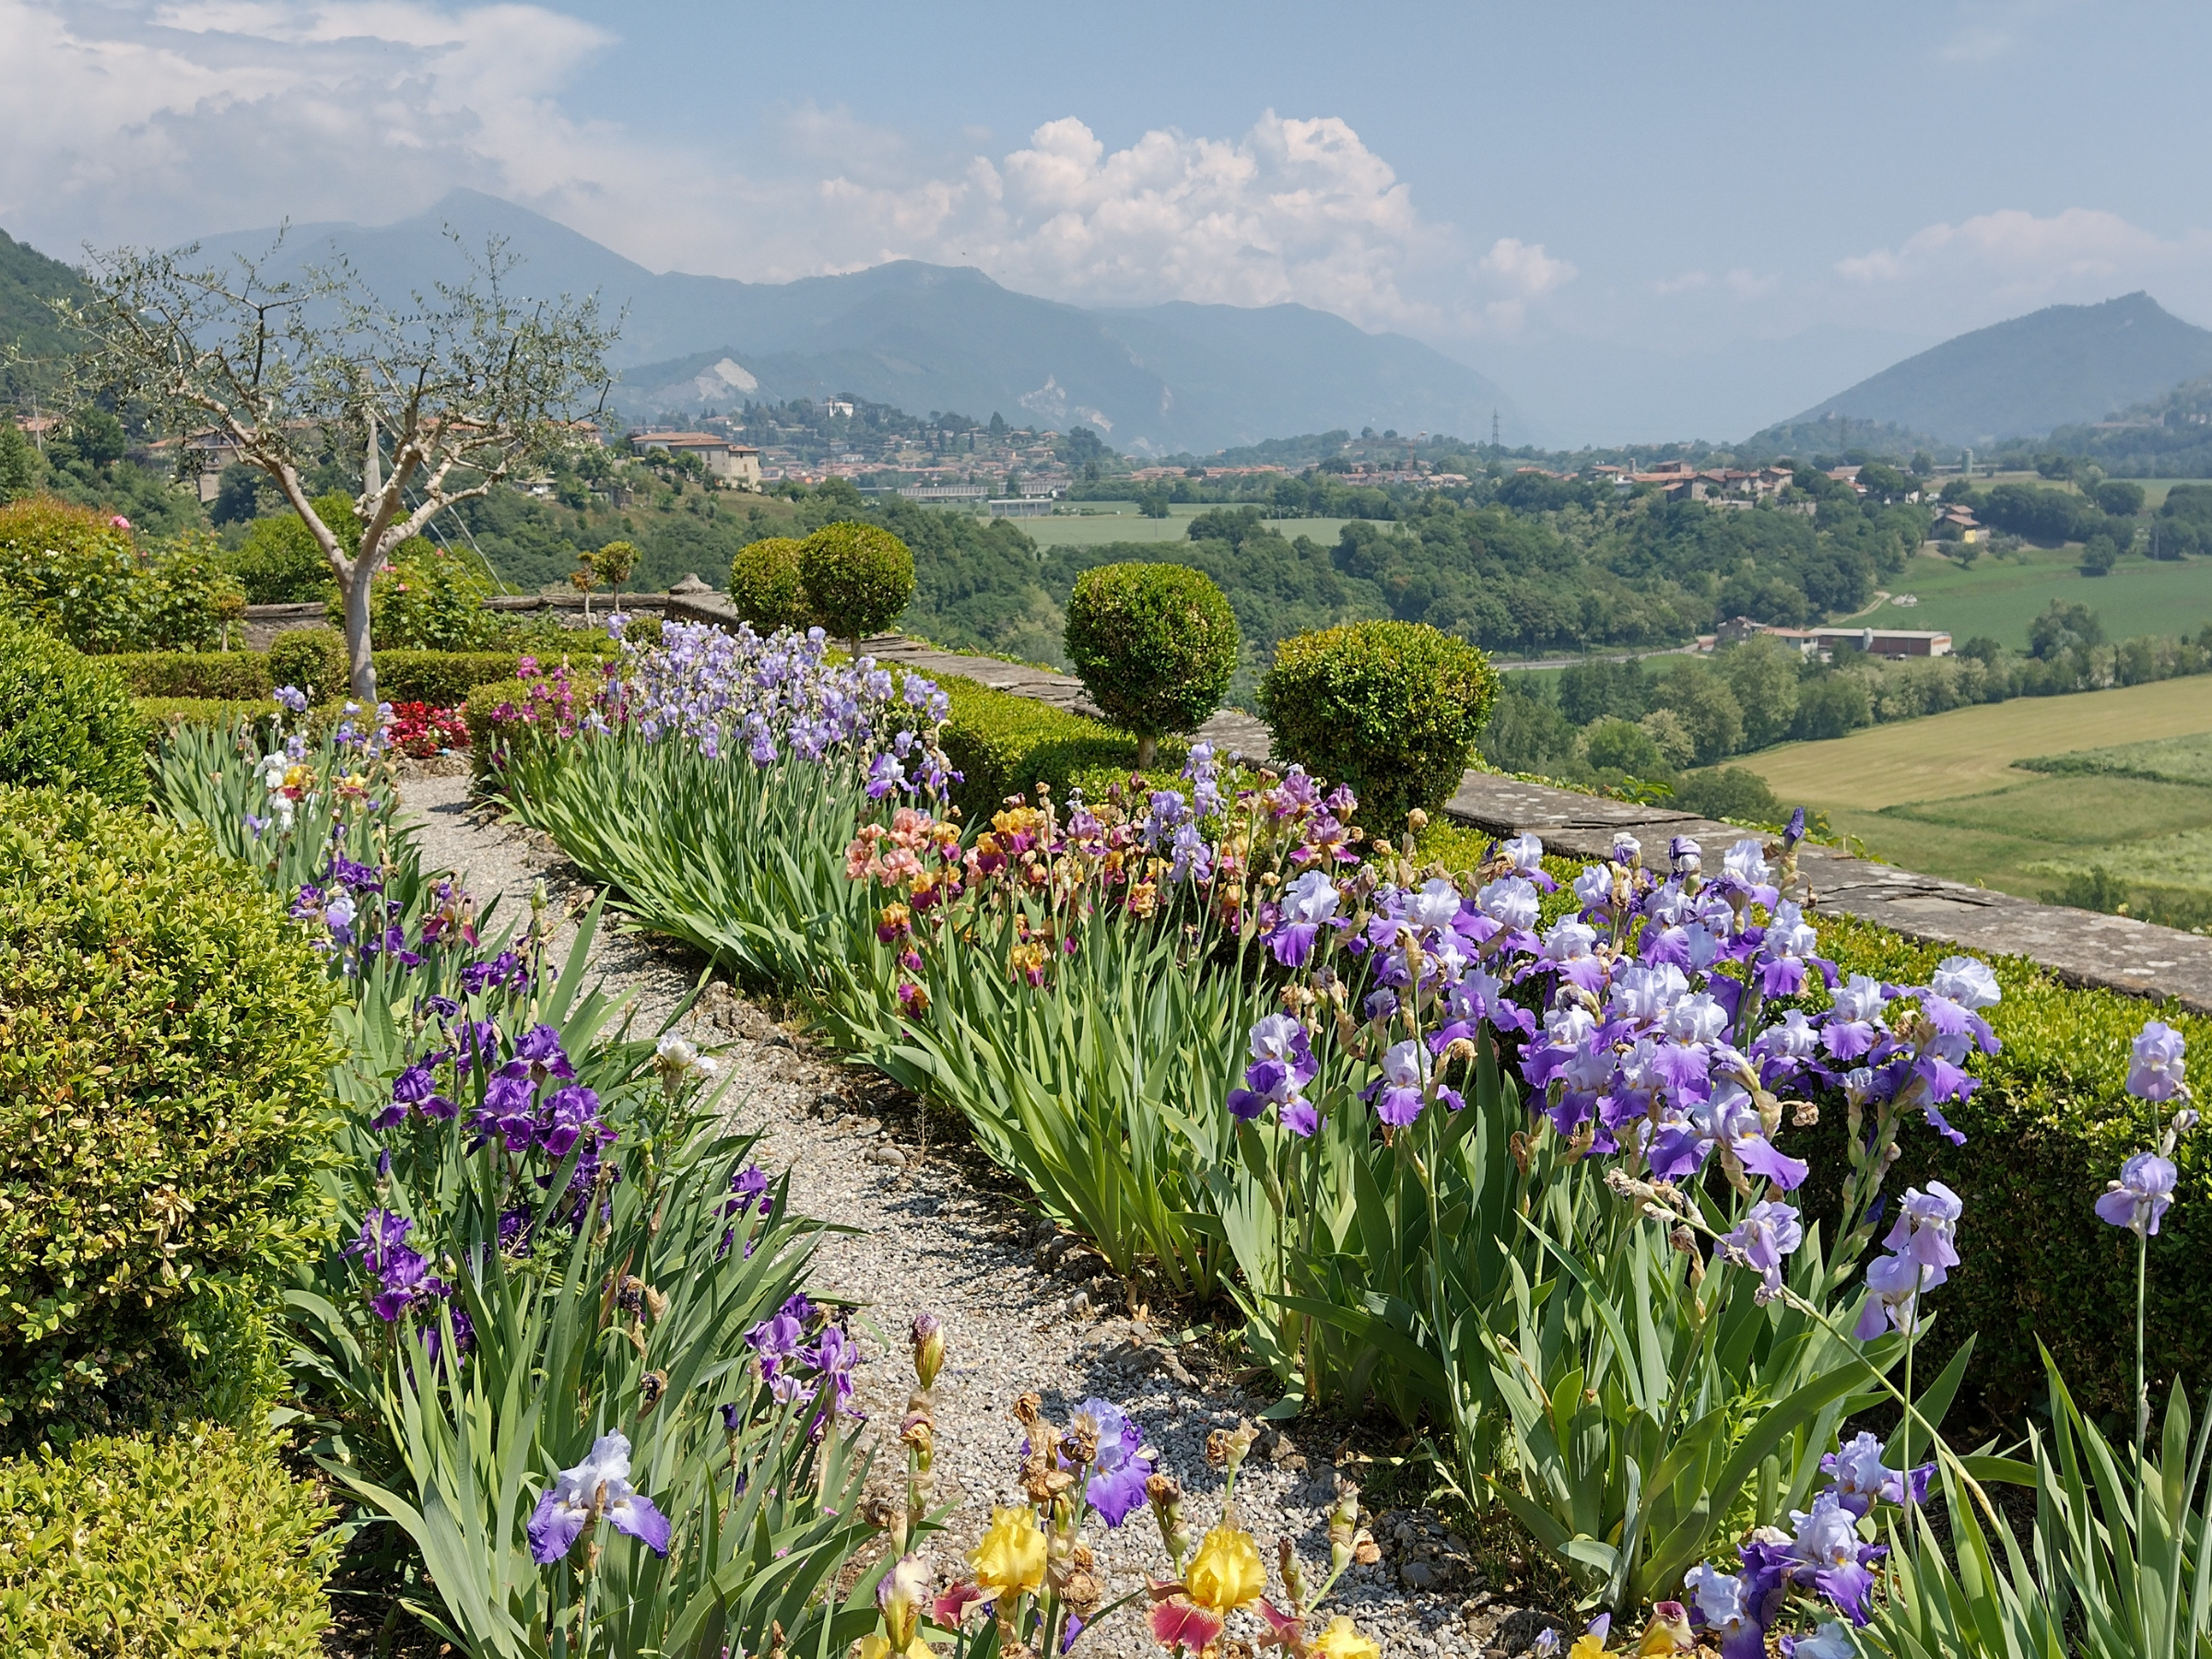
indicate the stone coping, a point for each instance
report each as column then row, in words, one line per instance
column 2082, row 947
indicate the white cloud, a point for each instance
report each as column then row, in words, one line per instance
column 154, row 120
column 2017, row 258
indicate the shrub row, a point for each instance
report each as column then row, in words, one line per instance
column 1002, row 745
column 192, row 1542
column 67, row 718
column 163, row 1081
column 441, row 679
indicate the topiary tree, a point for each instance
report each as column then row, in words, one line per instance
column 855, row 578
column 765, row 587
column 1392, row 709
column 68, row 720
column 164, row 1106
column 1155, row 645
column 312, row 659
column 612, row 562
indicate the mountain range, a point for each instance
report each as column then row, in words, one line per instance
column 2066, row 365
column 1153, row 380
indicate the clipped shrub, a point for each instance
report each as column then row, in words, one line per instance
column 67, row 718
column 192, row 1542
column 1155, row 645
column 441, row 679
column 855, row 578
column 528, row 712
column 163, row 1090
column 239, row 675
column 80, row 573
column 1392, row 709
column 167, row 714
column 765, row 588
column 2048, row 1126
column 1004, row 744
column 313, row 659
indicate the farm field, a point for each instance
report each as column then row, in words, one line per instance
column 1103, row 522
column 1943, row 794
column 2001, row 596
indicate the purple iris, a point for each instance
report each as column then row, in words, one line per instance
column 1117, row 1488
column 2141, row 1195
column 1769, row 1232
column 598, row 1486
column 1862, row 1479
column 2157, row 1065
column 1308, row 905
column 1829, row 1554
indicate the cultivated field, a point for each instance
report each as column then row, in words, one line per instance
column 1942, row 794
column 2000, row 594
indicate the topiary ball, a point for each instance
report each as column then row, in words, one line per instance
column 856, row 579
column 764, row 585
column 1155, row 645
column 68, row 719
column 313, row 659
column 1392, row 709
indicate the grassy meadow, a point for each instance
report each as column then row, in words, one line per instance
column 2000, row 594
column 1944, row 795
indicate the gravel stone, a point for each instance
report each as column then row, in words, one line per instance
column 929, row 1237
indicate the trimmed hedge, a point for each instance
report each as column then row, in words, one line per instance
column 2048, row 1126
column 67, row 718
column 765, row 588
column 239, row 675
column 856, row 578
column 1153, row 644
column 1392, row 709
column 1005, row 745
column 196, row 1542
column 164, row 1058
column 314, row 660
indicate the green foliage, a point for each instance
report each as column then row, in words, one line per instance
column 441, row 679
column 161, row 1107
column 1392, row 709
column 67, row 718
column 856, row 578
column 1002, row 745
column 2120, row 497
column 1155, row 645
column 611, row 563
column 280, row 563
column 85, row 579
column 428, row 598
column 167, row 715
column 1730, row 791
column 765, row 587
column 2064, row 624
column 2049, row 1125
column 18, row 463
column 191, row 1541
column 1701, row 698
column 312, row 659
column 1612, row 744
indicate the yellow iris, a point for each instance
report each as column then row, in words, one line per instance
column 875, row 1645
column 1227, row 1573
column 1587, row 1646
column 1341, row 1641
column 1011, row 1559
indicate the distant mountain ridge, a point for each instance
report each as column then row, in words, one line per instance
column 1153, row 380
column 2064, row 365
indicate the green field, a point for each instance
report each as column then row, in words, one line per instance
column 2000, row 594
column 1102, row 521
column 1944, row 795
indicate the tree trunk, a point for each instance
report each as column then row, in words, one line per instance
column 361, row 664
column 1147, row 749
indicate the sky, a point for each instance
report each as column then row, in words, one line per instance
column 1643, row 221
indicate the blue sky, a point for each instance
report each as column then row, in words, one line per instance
column 1643, row 221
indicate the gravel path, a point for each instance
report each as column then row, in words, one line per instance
column 934, row 1232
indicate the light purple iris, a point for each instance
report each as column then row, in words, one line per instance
column 1830, row 1642
column 1731, row 1606
column 1829, row 1553
column 2156, row 1069
column 1894, row 1283
column 1309, row 903
column 1117, row 1488
column 2141, row 1195
column 1509, row 901
column 1862, row 1479
column 599, row 1486
column 1762, row 1240
column 1927, row 1231
column 1398, row 1092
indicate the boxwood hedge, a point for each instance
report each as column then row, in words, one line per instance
column 164, row 1050
column 192, row 1542
column 67, row 718
column 1005, row 745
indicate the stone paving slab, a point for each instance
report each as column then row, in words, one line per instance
column 2082, row 947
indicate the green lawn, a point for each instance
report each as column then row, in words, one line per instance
column 2000, row 594
column 1104, row 521
column 1943, row 794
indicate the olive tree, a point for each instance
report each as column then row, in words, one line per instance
column 442, row 398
